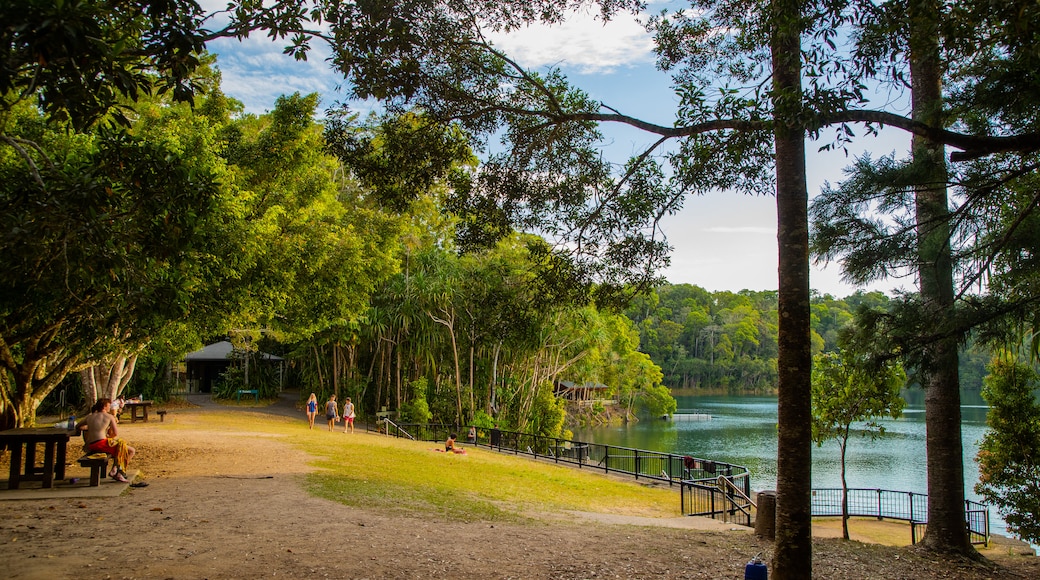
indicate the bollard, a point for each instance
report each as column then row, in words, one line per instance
column 765, row 515
column 756, row 570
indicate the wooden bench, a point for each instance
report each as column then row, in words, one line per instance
column 162, row 416
column 97, row 462
column 138, row 410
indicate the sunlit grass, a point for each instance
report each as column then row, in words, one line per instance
column 373, row 471
column 387, row 473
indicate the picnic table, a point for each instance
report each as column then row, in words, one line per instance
column 138, row 410
column 22, row 443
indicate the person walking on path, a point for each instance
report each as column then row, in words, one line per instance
column 312, row 409
column 102, row 436
column 332, row 411
column 348, row 416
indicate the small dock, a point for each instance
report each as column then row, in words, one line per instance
column 689, row 415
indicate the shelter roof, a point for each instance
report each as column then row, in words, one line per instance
column 221, row 351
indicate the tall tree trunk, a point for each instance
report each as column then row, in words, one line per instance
column 946, row 529
column 492, row 399
column 449, row 322
column 793, row 556
column 472, row 394
column 335, row 368
column 400, row 363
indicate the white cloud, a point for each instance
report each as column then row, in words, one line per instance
column 256, row 72
column 582, row 43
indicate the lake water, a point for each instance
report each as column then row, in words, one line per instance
column 742, row 430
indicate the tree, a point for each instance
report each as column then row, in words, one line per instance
column 939, row 366
column 976, row 50
column 1009, row 454
column 846, row 390
column 81, row 60
column 550, row 177
column 100, row 229
column 435, row 55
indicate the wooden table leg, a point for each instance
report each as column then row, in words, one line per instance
column 30, row 460
column 48, row 465
column 62, row 456
column 16, row 466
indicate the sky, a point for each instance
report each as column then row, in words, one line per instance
column 721, row 241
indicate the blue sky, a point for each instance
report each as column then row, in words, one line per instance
column 722, row 241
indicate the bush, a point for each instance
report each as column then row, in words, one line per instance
column 417, row 410
column 482, row 420
column 231, row 381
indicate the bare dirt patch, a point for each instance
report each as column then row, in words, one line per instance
column 233, row 505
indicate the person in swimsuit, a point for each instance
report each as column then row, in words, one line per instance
column 312, row 410
column 332, row 411
column 102, row 435
column 451, row 447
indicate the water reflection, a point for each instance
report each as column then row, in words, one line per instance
column 742, row 430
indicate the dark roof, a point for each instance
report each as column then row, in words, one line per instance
column 220, row 351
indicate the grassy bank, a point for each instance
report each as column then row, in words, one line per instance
column 403, row 476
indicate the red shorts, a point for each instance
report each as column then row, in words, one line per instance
column 102, row 446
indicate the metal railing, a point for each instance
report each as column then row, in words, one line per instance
column 707, row 488
column 391, row 426
column 725, row 496
column 897, row 505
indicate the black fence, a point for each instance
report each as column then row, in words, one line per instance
column 898, row 505
column 725, row 497
column 707, row 488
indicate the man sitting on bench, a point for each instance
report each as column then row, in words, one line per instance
column 102, row 436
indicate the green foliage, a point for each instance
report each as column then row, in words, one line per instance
column 848, row 389
column 416, row 410
column 1009, row 453
column 81, row 60
column 105, row 230
column 547, row 412
column 233, row 379
column 728, row 341
column 657, row 401
column 152, row 380
column 483, row 421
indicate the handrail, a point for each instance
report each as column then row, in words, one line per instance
column 398, row 427
column 725, row 482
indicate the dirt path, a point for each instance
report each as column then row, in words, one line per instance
column 223, row 505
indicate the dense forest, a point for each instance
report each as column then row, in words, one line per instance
column 727, row 341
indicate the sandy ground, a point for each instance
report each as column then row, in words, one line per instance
column 234, row 506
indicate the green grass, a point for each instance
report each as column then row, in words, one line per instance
column 394, row 474
column 403, row 476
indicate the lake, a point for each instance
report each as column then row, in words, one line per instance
column 742, row 430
